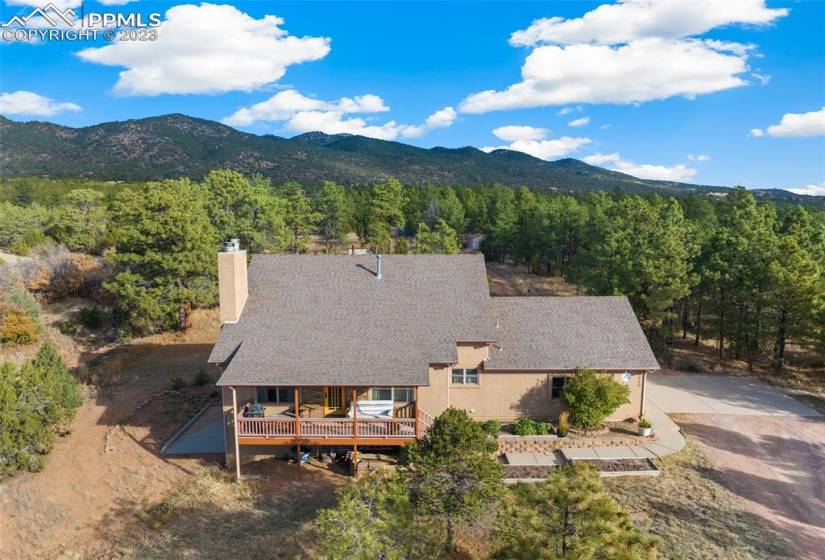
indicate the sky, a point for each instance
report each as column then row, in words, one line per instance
column 701, row 91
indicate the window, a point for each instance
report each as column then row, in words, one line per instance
column 382, row 394
column 465, row 376
column 557, row 387
column 276, row 394
column 395, row 394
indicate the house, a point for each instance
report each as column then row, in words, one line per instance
column 360, row 351
column 473, row 241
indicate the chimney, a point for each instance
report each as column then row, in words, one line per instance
column 232, row 288
column 378, row 267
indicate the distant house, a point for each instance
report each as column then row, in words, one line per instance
column 472, row 241
column 361, row 351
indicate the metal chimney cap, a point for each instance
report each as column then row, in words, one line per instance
column 232, row 246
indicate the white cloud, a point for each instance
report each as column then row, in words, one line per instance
column 598, row 159
column 30, row 103
column 634, row 19
column 305, row 114
column 207, row 49
column 568, row 110
column 631, row 51
column 285, row 104
column 698, row 157
column 644, row 70
column 579, row 122
column 677, row 172
column 796, row 124
column 763, row 79
column 511, row 133
column 533, row 141
column 810, row 190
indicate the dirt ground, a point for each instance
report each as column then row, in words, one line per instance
column 776, row 464
column 105, row 492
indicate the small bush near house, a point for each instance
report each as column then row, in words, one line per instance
column 177, row 383
column 564, row 423
column 591, row 397
column 37, row 402
column 528, row 427
column 645, row 423
column 492, row 427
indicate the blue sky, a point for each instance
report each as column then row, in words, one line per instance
column 727, row 93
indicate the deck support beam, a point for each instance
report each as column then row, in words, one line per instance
column 297, row 426
column 235, row 428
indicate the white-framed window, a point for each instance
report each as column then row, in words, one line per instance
column 395, row 394
column 557, row 385
column 275, row 394
column 465, row 376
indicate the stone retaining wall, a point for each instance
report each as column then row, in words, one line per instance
column 547, row 444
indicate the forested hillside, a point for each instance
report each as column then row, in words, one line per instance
column 749, row 275
column 174, row 146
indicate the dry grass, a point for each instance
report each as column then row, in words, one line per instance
column 508, row 280
column 214, row 517
column 692, row 514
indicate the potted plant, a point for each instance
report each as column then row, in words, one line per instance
column 564, row 424
column 645, row 427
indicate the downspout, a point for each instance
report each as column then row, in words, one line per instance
column 235, row 428
column 644, row 386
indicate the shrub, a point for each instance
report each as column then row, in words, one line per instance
column 90, row 317
column 564, row 423
column 25, row 243
column 645, row 423
column 16, row 327
column 592, row 397
column 177, row 383
column 528, row 427
column 201, row 378
column 36, row 403
column 492, row 427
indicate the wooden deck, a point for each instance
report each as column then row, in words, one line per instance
column 331, row 431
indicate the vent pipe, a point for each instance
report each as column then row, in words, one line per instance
column 378, row 267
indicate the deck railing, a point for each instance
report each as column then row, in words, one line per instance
column 285, row 427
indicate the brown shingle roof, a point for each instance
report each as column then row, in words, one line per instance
column 568, row 333
column 326, row 319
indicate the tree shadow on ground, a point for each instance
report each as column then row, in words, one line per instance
column 801, row 463
column 214, row 517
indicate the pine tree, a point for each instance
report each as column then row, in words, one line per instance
column 569, row 516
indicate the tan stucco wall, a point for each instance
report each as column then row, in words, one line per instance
column 506, row 395
column 232, row 285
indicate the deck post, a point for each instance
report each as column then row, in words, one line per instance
column 417, row 419
column 644, row 387
column 297, row 427
column 235, row 428
column 355, row 431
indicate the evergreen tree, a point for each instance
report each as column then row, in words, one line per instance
column 443, row 239
column 165, row 247
column 569, row 516
column 335, row 213
column 247, row 210
column 80, row 222
column 453, row 475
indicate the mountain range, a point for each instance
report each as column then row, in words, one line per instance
column 176, row 145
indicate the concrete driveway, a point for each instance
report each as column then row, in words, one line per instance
column 767, row 447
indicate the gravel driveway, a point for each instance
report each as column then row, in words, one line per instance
column 767, row 447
